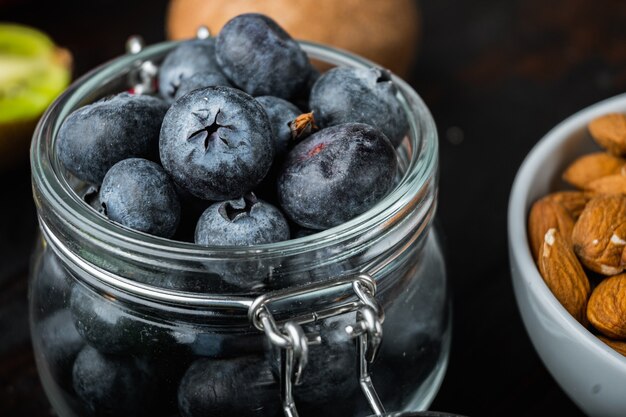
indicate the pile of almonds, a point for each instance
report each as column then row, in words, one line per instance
column 578, row 238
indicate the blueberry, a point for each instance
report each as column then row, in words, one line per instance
column 320, row 265
column 109, row 326
column 242, row 387
column 94, row 137
column 201, row 80
column 336, row 174
column 330, row 376
column 187, row 59
column 139, row 194
column 281, row 113
column 243, row 222
column 60, row 343
column 344, row 95
column 204, row 282
column 260, row 57
column 113, row 385
column 303, row 231
column 226, row 345
column 216, row 143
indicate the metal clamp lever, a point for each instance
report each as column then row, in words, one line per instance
column 363, row 285
column 369, row 331
column 293, row 342
column 142, row 79
column 292, row 363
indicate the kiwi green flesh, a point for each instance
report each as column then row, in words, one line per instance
column 23, row 41
column 31, row 75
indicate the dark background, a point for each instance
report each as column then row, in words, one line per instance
column 496, row 74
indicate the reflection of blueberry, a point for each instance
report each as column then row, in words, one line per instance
column 201, row 80
column 203, row 282
column 243, row 222
column 249, row 274
column 113, row 385
column 52, row 284
column 344, row 95
column 107, row 325
column 60, row 343
column 416, row 363
column 91, row 196
column 239, row 387
column 93, row 138
column 216, row 143
column 336, row 174
column 139, row 194
column 188, row 58
column 260, row 57
column 281, row 113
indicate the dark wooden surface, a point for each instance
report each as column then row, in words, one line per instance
column 496, row 74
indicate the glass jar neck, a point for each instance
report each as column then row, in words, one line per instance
column 160, row 271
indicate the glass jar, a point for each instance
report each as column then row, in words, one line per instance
column 124, row 323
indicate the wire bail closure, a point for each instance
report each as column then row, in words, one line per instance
column 143, row 78
column 293, row 342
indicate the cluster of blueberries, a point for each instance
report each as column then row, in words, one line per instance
column 246, row 142
column 108, row 358
column 111, row 360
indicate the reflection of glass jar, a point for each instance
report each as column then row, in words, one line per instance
column 129, row 324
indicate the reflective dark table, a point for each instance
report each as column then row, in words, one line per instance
column 496, row 74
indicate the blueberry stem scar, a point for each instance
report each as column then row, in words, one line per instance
column 209, row 132
column 231, row 210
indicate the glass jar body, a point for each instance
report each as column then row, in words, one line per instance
column 127, row 324
column 73, row 324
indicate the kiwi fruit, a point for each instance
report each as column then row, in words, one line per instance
column 385, row 31
column 33, row 72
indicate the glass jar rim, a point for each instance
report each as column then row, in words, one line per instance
column 54, row 188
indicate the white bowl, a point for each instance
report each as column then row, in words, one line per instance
column 591, row 373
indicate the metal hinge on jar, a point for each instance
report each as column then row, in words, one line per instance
column 293, row 342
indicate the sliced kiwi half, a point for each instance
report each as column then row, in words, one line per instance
column 33, row 72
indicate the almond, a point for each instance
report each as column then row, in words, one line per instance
column 546, row 214
column 609, row 131
column 611, row 184
column 606, row 310
column 563, row 274
column 616, row 345
column 590, row 167
column 599, row 234
column 573, row 202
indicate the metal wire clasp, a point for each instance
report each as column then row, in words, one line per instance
column 293, row 341
column 142, row 79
